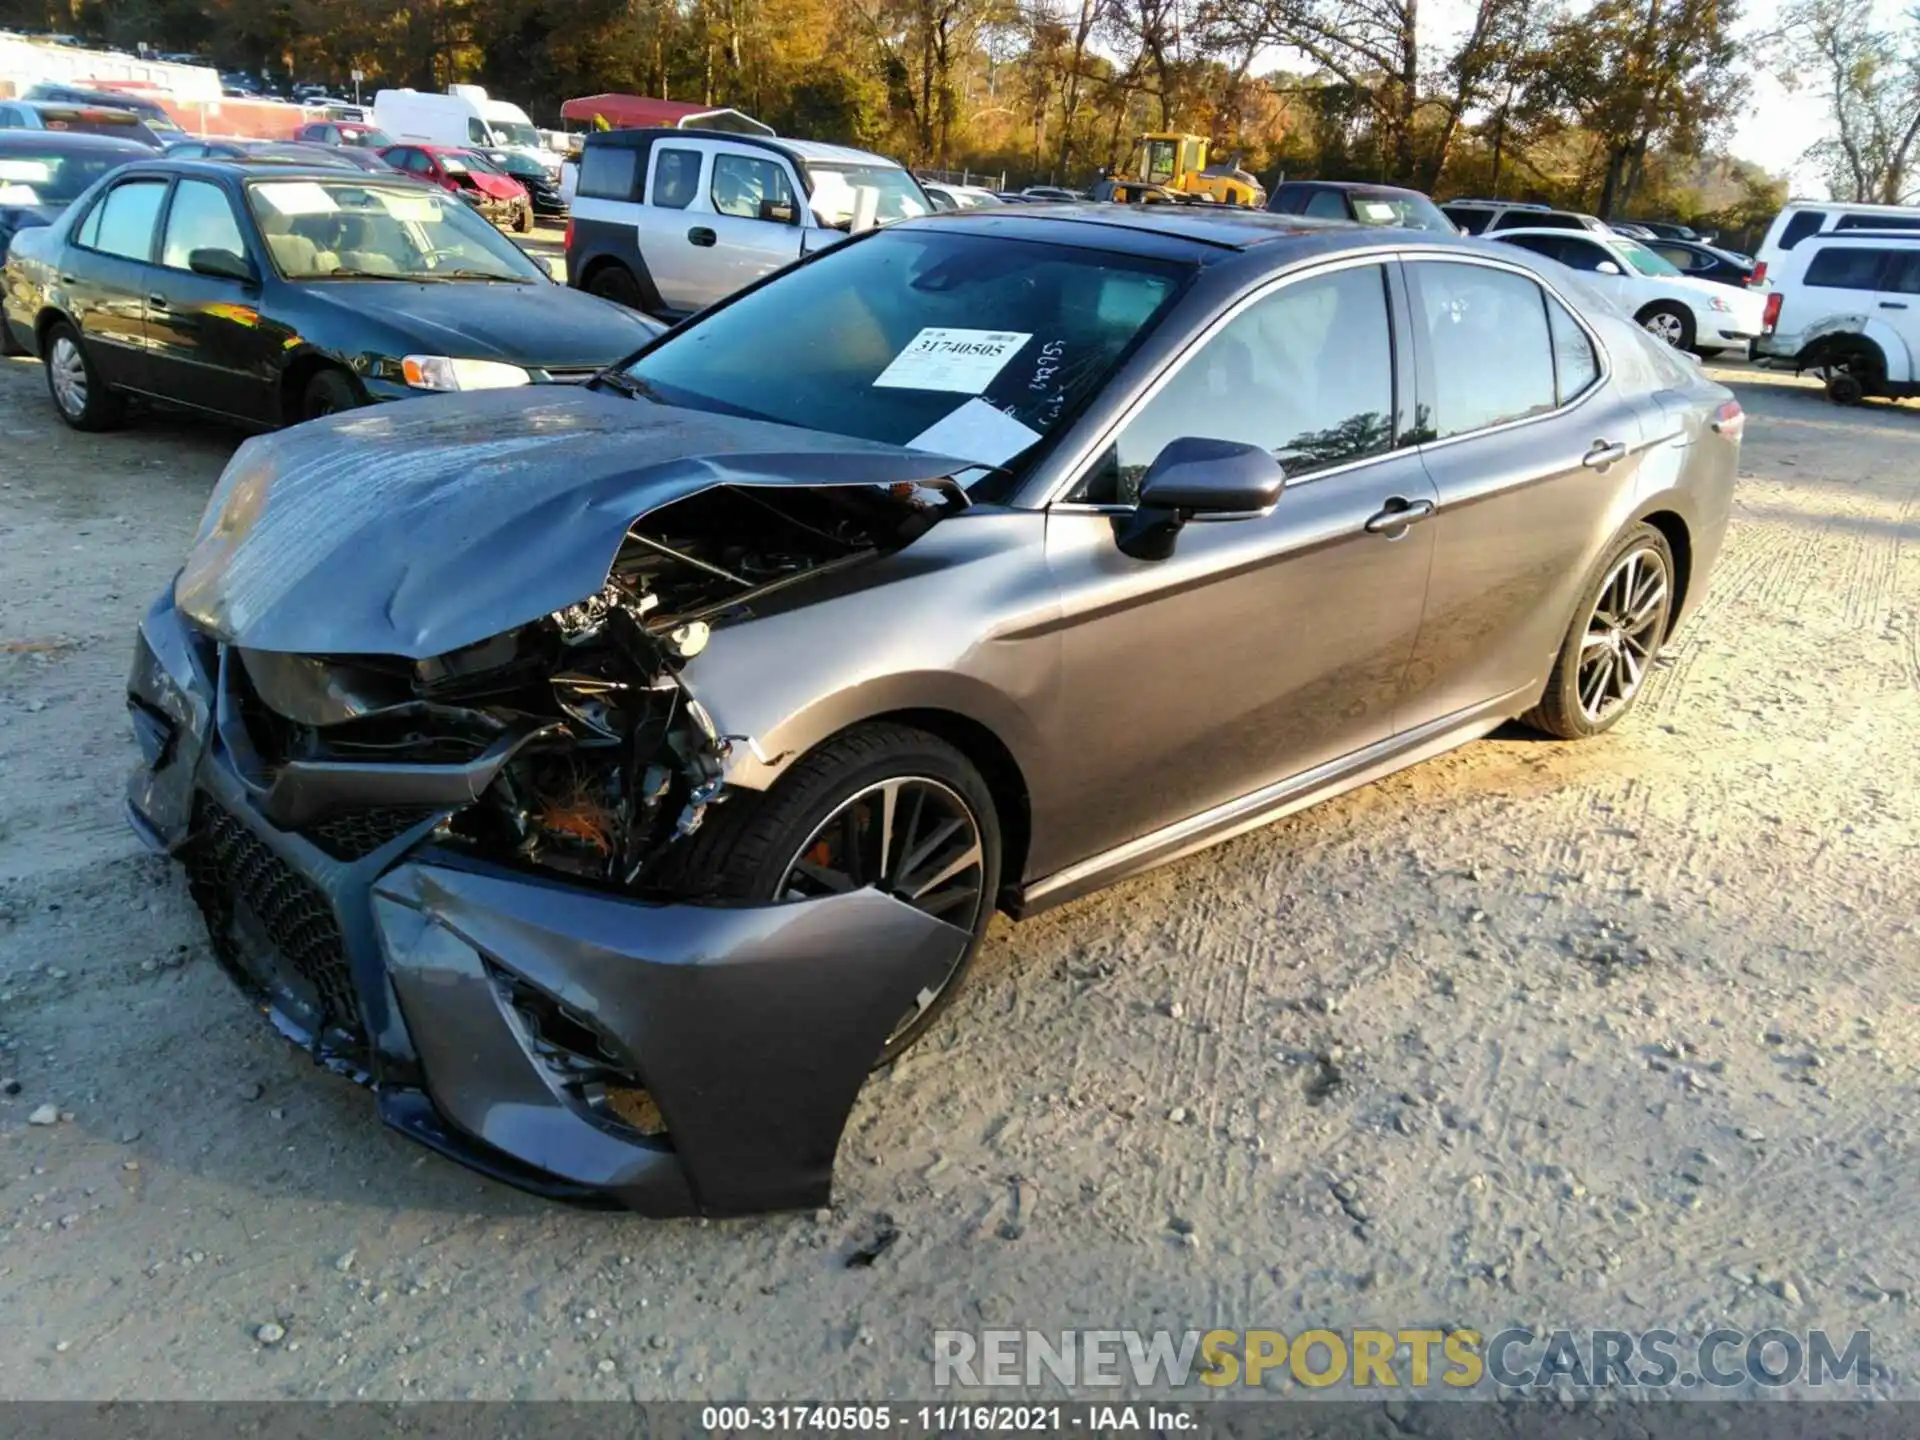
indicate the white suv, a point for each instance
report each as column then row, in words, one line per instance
column 1801, row 219
column 1847, row 304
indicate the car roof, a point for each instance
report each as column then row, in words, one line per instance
column 71, row 140
column 1561, row 231
column 1368, row 185
column 278, row 170
column 795, row 149
column 1198, row 233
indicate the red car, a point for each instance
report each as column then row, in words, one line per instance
column 495, row 194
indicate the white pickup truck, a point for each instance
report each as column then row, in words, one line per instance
column 669, row 221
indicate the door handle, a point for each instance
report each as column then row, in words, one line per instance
column 1602, row 455
column 701, row 235
column 69, row 280
column 159, row 302
column 1893, row 304
column 1398, row 514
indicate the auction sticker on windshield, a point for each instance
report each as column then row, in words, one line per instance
column 961, row 361
column 421, row 209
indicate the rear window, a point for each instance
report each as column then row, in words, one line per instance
column 607, row 172
column 1848, row 267
column 1800, row 225
column 1409, row 212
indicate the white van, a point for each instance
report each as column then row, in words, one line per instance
column 1802, row 218
column 1847, row 304
column 465, row 116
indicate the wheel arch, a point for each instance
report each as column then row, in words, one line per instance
column 299, row 374
column 1012, row 800
column 44, row 322
column 1673, row 527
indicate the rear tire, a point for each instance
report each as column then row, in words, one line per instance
column 762, row 849
column 328, row 393
column 79, row 395
column 1668, row 322
column 616, row 283
column 1618, row 627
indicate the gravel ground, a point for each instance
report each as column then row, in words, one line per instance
column 1618, row 1034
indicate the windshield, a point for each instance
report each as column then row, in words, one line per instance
column 50, row 176
column 1411, row 212
column 347, row 229
column 365, row 139
column 959, row 344
column 516, row 164
column 830, row 190
column 514, row 132
column 1643, row 259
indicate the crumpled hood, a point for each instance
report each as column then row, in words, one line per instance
column 419, row 528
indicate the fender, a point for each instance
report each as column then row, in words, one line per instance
column 1827, row 336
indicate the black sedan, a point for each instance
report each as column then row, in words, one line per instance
column 1703, row 261
column 269, row 294
column 543, row 186
column 44, row 171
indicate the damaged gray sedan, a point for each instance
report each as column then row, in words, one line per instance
column 611, row 777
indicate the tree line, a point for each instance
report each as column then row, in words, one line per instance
column 1613, row 106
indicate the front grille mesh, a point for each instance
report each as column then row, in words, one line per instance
column 359, row 833
column 228, row 863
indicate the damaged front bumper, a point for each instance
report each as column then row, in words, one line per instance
column 673, row 1058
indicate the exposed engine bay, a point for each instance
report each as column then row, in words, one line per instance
column 613, row 757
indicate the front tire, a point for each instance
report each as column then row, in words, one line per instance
column 328, row 393
column 1619, row 625
column 79, row 394
column 523, row 218
column 1669, row 323
column 880, row 805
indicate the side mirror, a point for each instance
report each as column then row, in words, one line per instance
column 1194, row 478
column 1606, row 267
column 223, row 265
column 781, row 212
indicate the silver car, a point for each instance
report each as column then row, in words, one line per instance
column 613, row 775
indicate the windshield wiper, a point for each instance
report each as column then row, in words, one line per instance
column 621, row 383
column 481, row 275
column 349, row 274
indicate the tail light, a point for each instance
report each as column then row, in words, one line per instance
column 569, row 240
column 1770, row 316
column 1730, row 420
column 1759, row 276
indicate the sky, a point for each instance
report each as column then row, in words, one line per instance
column 1777, row 125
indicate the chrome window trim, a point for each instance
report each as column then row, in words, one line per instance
column 1087, row 455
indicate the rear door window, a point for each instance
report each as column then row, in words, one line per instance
column 1847, row 267
column 1472, row 218
column 1870, row 221
column 1547, row 245
column 1800, row 225
column 1903, row 272
column 676, row 177
column 609, row 172
column 1290, row 199
column 1489, row 355
column 122, row 223
column 1575, row 365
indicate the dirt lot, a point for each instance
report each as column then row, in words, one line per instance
column 1605, row 1035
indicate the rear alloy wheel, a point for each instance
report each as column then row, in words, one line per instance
column 78, row 394
column 1669, row 323
column 882, row 806
column 328, row 393
column 1618, row 629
